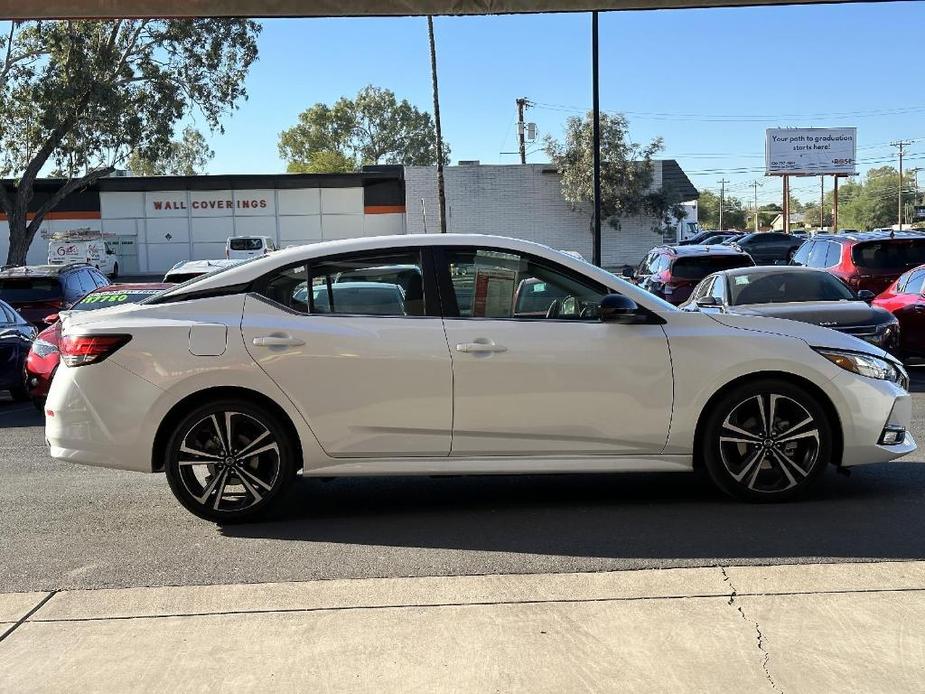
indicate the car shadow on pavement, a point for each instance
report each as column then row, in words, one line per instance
column 19, row 414
column 878, row 513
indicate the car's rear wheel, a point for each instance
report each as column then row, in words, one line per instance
column 229, row 461
column 767, row 441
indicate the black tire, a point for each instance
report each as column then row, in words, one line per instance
column 39, row 404
column 748, row 463
column 197, row 458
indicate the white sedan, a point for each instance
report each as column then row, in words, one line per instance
column 457, row 354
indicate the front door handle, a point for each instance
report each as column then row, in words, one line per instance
column 480, row 347
column 278, row 341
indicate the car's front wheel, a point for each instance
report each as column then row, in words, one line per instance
column 229, row 461
column 766, row 441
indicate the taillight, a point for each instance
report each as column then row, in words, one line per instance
column 80, row 350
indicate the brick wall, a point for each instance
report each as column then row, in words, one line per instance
column 523, row 201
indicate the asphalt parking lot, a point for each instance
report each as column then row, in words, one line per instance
column 66, row 526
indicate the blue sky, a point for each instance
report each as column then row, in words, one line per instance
column 708, row 81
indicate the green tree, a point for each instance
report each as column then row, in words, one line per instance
column 872, row 202
column 372, row 128
column 187, row 156
column 77, row 96
column 768, row 213
column 734, row 214
column 626, row 172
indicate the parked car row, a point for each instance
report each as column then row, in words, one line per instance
column 868, row 284
column 32, row 299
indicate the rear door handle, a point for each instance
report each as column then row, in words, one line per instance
column 482, row 347
column 278, row 341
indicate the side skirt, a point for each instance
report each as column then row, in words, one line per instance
column 502, row 465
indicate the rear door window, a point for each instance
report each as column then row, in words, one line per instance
column 368, row 285
column 801, row 257
column 818, row 255
column 915, row 283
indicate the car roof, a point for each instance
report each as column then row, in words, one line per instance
column 697, row 249
column 857, row 237
column 23, row 271
column 768, row 269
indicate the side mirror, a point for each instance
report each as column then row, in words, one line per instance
column 708, row 302
column 866, row 296
column 616, row 308
column 51, row 318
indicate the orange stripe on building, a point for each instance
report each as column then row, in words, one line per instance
column 73, row 215
column 384, row 209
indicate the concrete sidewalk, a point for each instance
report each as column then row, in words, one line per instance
column 810, row 628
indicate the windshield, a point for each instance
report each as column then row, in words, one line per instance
column 25, row 289
column 113, row 297
column 889, row 254
column 246, row 244
column 782, row 287
column 698, row 267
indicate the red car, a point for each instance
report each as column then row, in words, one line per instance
column 870, row 260
column 672, row 272
column 905, row 299
column 42, row 361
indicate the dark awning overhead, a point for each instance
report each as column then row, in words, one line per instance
column 17, row 9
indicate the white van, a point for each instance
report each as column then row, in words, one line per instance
column 95, row 252
column 244, row 247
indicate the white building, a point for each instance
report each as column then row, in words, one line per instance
column 154, row 222
column 525, row 201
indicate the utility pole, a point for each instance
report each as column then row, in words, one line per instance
column 755, row 185
column 596, row 136
column 441, row 190
column 722, row 201
column 901, row 144
column 786, row 204
column 835, row 206
column 522, row 104
column 821, row 202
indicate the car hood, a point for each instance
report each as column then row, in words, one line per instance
column 813, row 335
column 829, row 314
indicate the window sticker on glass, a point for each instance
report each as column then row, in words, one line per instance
column 741, row 279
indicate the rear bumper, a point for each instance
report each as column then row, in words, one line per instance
column 97, row 415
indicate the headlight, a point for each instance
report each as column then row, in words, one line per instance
column 868, row 365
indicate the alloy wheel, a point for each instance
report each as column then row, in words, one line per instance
column 769, row 443
column 228, row 461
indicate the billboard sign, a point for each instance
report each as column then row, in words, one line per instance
column 810, row 151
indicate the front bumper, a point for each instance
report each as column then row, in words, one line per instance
column 868, row 406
